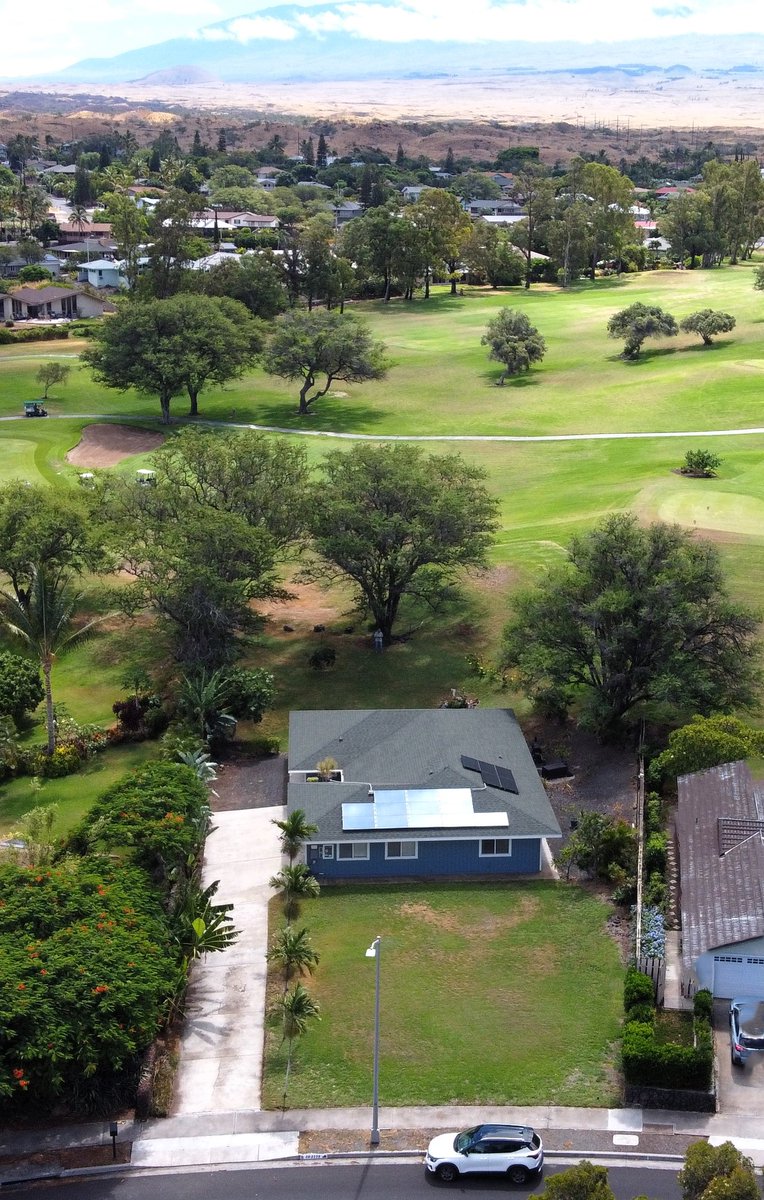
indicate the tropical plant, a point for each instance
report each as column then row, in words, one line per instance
column 202, row 927
column 200, row 763
column 45, row 626
column 295, row 883
column 291, row 949
column 295, row 829
column 296, row 1010
column 202, row 702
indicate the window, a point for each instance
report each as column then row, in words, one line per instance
column 726, row 958
column 352, row 850
column 401, row 850
column 493, row 846
column 327, row 851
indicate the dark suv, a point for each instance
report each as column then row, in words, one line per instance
column 746, row 1028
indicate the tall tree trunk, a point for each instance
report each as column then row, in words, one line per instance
column 427, row 283
column 193, row 396
column 165, row 403
column 304, row 402
column 50, row 720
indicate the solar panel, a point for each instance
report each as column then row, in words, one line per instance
column 506, row 780
column 420, row 808
column 493, row 775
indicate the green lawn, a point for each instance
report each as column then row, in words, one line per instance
column 442, row 384
column 75, row 793
column 491, row 993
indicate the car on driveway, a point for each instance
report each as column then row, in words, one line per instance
column 512, row 1150
column 746, row 1028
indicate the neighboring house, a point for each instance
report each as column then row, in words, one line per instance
column 223, row 255
column 147, row 204
column 496, row 208
column 346, row 210
column 59, row 170
column 639, row 210
column 412, row 192
column 69, row 233
column 671, row 193
column 94, row 247
column 266, row 182
column 720, row 831
column 10, row 270
column 504, row 180
column 646, row 228
column 51, row 303
column 102, row 273
column 419, row 792
column 234, row 219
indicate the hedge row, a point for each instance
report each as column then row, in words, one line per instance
column 645, row 1059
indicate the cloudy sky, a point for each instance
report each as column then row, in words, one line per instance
column 57, row 35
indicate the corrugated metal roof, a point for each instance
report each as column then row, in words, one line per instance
column 721, row 881
column 415, row 748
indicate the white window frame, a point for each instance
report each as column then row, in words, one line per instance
column 496, row 853
column 327, row 850
column 401, row 842
column 358, row 851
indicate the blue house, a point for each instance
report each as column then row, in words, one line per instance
column 418, row 793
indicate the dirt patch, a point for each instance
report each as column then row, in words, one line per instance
column 251, row 783
column 107, row 445
column 421, row 912
column 310, row 605
column 70, row 1159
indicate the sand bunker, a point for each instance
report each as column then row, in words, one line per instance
column 106, row 445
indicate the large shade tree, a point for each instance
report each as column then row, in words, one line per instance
column 396, row 523
column 321, row 347
column 513, row 341
column 634, row 616
column 167, row 347
column 203, row 543
column 637, row 323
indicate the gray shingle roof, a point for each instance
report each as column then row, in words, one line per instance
column 721, row 874
column 416, row 748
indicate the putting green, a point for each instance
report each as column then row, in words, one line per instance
column 725, row 512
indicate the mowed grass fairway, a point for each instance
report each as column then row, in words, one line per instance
column 491, row 993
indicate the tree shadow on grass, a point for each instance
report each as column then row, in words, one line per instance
column 527, row 379
column 338, row 415
column 645, row 356
column 694, row 347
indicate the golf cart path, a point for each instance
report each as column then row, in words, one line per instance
column 128, row 418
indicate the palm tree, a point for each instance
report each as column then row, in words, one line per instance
column 295, row 829
column 44, row 624
column 292, row 950
column 80, row 217
column 296, row 1009
column 295, row 884
column 202, row 927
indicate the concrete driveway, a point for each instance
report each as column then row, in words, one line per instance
column 741, row 1089
column 221, row 1049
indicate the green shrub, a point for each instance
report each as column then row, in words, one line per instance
column 655, row 853
column 248, row 693
column 649, row 1063
column 643, row 1014
column 264, row 746
column 656, row 892
column 706, row 742
column 39, row 333
column 703, row 1004
column 653, row 813
column 322, row 658
column 638, row 988
column 21, row 687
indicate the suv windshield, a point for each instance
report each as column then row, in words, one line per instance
column 463, row 1141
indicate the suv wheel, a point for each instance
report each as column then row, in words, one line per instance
column 517, row 1174
column 447, row 1172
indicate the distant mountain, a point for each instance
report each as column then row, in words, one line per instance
column 280, row 44
column 173, row 76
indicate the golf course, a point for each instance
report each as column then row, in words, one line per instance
column 442, row 386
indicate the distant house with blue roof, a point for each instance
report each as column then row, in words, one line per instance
column 418, row 793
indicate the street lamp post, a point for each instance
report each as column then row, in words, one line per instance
column 375, row 951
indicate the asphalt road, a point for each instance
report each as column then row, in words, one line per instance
column 324, row 1181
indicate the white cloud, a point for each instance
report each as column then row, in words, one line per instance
column 63, row 35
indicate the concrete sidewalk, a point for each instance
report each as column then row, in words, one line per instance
column 221, row 1046
column 249, row 1135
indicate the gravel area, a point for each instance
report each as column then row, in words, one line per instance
column 251, row 783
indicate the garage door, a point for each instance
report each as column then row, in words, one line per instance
column 738, row 976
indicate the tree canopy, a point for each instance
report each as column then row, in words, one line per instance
column 708, row 322
column 398, row 523
column 203, row 542
column 634, row 616
column 308, row 345
column 707, row 742
column 513, row 341
column 167, row 347
column 637, row 323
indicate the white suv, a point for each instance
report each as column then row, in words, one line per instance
column 513, row 1150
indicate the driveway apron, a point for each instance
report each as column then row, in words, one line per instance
column 222, row 1042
